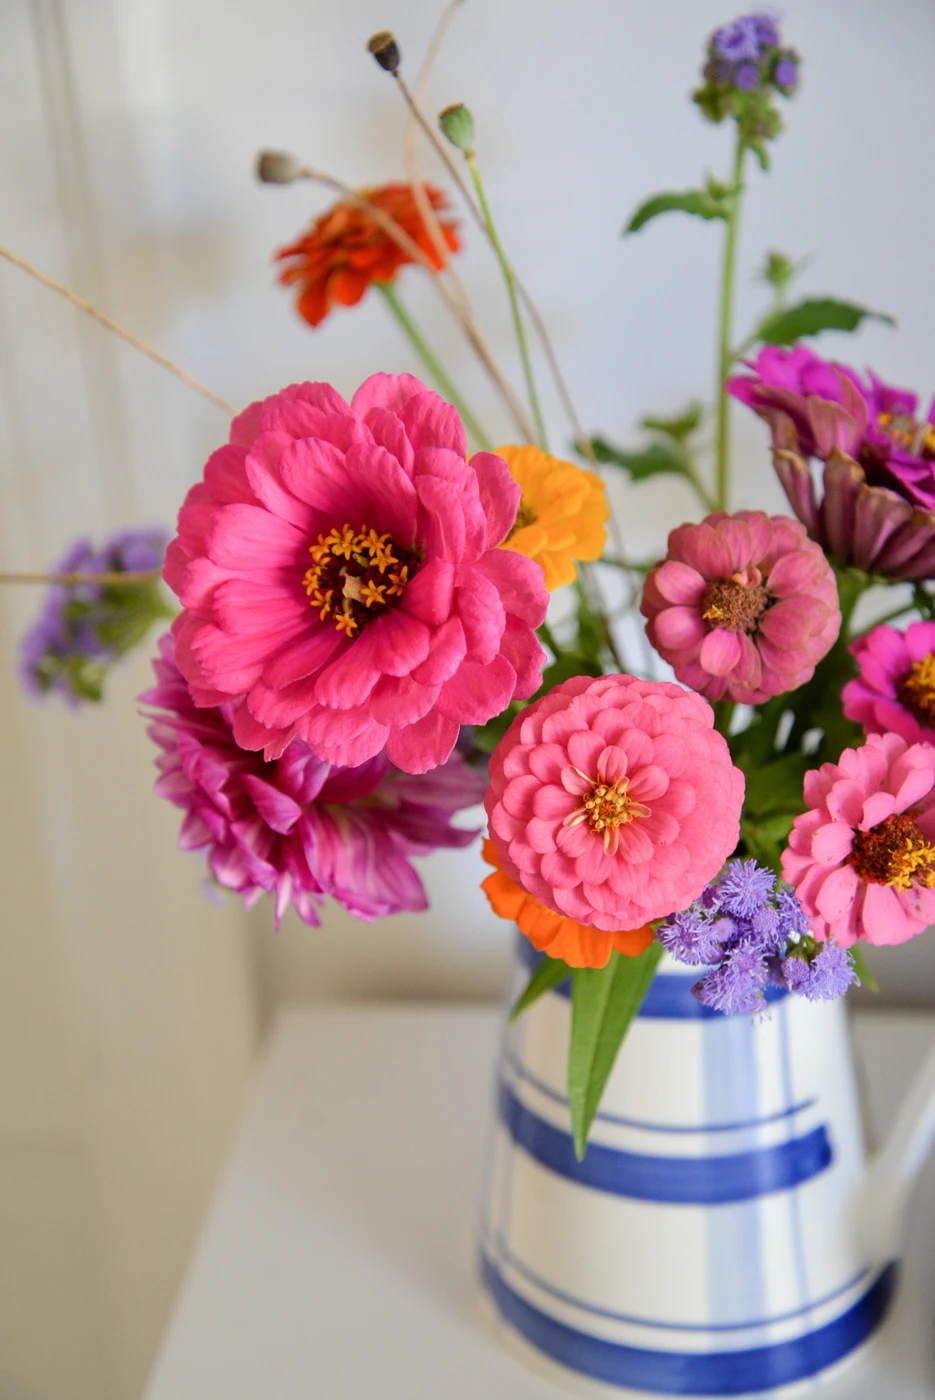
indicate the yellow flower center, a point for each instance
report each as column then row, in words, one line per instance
column 525, row 515
column 908, row 433
column 917, row 691
column 355, row 575
column 895, row 853
column 735, row 604
column 606, row 807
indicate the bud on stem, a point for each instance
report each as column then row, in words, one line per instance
column 385, row 50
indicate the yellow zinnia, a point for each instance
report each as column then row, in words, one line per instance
column 561, row 514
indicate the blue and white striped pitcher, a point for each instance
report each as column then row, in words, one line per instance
column 724, row 1234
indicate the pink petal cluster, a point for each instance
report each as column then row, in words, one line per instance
column 296, row 827
column 451, row 643
column 614, row 801
column 896, row 686
column 743, row 606
column 860, row 859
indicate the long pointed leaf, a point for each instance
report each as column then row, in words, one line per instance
column 603, row 1003
column 550, row 973
column 813, row 316
column 701, row 203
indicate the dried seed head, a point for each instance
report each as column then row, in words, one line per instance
column 385, row 50
column 277, row 168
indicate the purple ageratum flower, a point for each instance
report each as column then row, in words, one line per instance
column 878, row 507
column 84, row 627
column 786, row 73
column 742, row 39
column 299, row 828
column 749, row 930
column 746, row 76
column 825, row 978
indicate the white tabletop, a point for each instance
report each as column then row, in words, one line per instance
column 337, row 1261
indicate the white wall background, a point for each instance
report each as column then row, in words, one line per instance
column 128, row 132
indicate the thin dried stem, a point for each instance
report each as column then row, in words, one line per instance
column 409, row 246
column 413, row 101
column 105, row 579
column 110, row 325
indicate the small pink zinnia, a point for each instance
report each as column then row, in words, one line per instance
column 339, row 572
column 614, row 801
column 896, row 686
column 742, row 606
column 298, row 828
column 861, row 859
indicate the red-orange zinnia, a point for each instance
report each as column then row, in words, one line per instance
column 346, row 249
column 555, row 934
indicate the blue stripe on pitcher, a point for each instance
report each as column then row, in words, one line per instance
column 669, row 997
column 692, row 1373
column 714, row 1180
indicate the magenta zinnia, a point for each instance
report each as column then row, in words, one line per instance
column 743, row 606
column 613, row 800
column 896, row 686
column 878, row 507
column 298, row 828
column 339, row 571
column 862, row 858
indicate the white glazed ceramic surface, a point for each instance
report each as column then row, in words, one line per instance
column 708, row 1244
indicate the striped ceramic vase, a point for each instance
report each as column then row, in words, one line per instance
column 706, row 1243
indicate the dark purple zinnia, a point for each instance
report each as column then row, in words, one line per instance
column 878, row 507
column 84, row 627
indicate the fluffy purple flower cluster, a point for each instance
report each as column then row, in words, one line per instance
column 749, row 931
column 84, row 627
column 746, row 63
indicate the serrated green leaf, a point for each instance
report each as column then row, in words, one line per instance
column 700, row 203
column 656, row 459
column 550, row 973
column 680, row 427
column 603, row 1003
column 813, row 316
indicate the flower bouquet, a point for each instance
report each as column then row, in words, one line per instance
column 745, row 779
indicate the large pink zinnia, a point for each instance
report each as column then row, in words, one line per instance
column 338, row 571
column 613, row 800
column 861, row 859
column 298, row 828
column 896, row 686
column 742, row 606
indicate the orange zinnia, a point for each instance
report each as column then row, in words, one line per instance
column 345, row 250
column 561, row 515
column 555, row 934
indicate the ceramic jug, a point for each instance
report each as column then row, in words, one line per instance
column 725, row 1233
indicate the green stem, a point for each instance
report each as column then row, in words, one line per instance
column 431, row 362
column 514, row 301
column 725, row 357
column 545, row 632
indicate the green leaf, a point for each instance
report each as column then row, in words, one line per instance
column 701, row 203
column 550, row 973
column 776, row 786
column 656, row 459
column 603, row 1003
column 680, row 427
column 813, row 316
column 867, row 978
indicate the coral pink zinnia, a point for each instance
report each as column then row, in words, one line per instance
column 613, row 800
column 742, row 606
column 861, row 859
column 896, row 686
column 339, row 571
column 298, row 828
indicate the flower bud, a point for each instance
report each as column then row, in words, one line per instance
column 277, row 168
column 457, row 124
column 385, row 50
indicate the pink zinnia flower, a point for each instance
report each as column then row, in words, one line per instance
column 339, row 571
column 742, row 606
column 878, row 506
column 896, row 686
column 861, row 859
column 297, row 827
column 613, row 800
